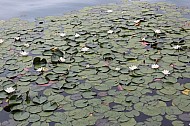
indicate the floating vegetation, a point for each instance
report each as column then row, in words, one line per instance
column 112, row 65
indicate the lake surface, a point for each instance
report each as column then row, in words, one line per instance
column 40, row 8
column 29, row 10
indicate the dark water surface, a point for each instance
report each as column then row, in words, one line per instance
column 29, row 10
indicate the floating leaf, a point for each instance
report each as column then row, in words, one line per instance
column 49, row 106
column 19, row 116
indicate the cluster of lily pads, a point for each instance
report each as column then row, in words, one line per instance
column 112, row 65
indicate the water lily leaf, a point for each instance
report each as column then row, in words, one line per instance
column 177, row 123
column 60, row 70
column 40, row 100
column 35, row 109
column 33, row 118
column 182, row 102
column 19, row 116
column 89, row 94
column 81, row 103
column 155, row 57
column 51, row 76
column 156, row 85
column 47, row 53
column 170, row 80
column 14, row 100
column 187, row 85
column 3, row 95
column 49, row 106
column 41, row 81
column 131, row 122
column 55, row 58
column 45, row 114
column 171, row 117
column 168, row 90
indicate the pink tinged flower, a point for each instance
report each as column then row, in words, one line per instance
column 120, row 88
column 144, row 43
column 26, row 69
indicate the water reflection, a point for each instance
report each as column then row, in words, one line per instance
column 40, row 8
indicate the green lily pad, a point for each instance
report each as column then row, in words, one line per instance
column 19, row 116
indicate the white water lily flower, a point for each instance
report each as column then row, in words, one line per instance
column 62, row 34
column 39, row 69
column 17, row 38
column 61, row 59
column 1, row 41
column 166, row 72
column 109, row 11
column 154, row 66
column 133, row 67
column 143, row 39
column 117, row 68
column 26, row 45
column 157, row 31
column 137, row 21
column 23, row 53
column 87, row 66
column 110, row 31
column 85, row 49
column 10, row 90
column 42, row 69
column 77, row 35
column 177, row 47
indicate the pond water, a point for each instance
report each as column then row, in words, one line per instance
column 40, row 8
column 121, row 65
column 29, row 10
